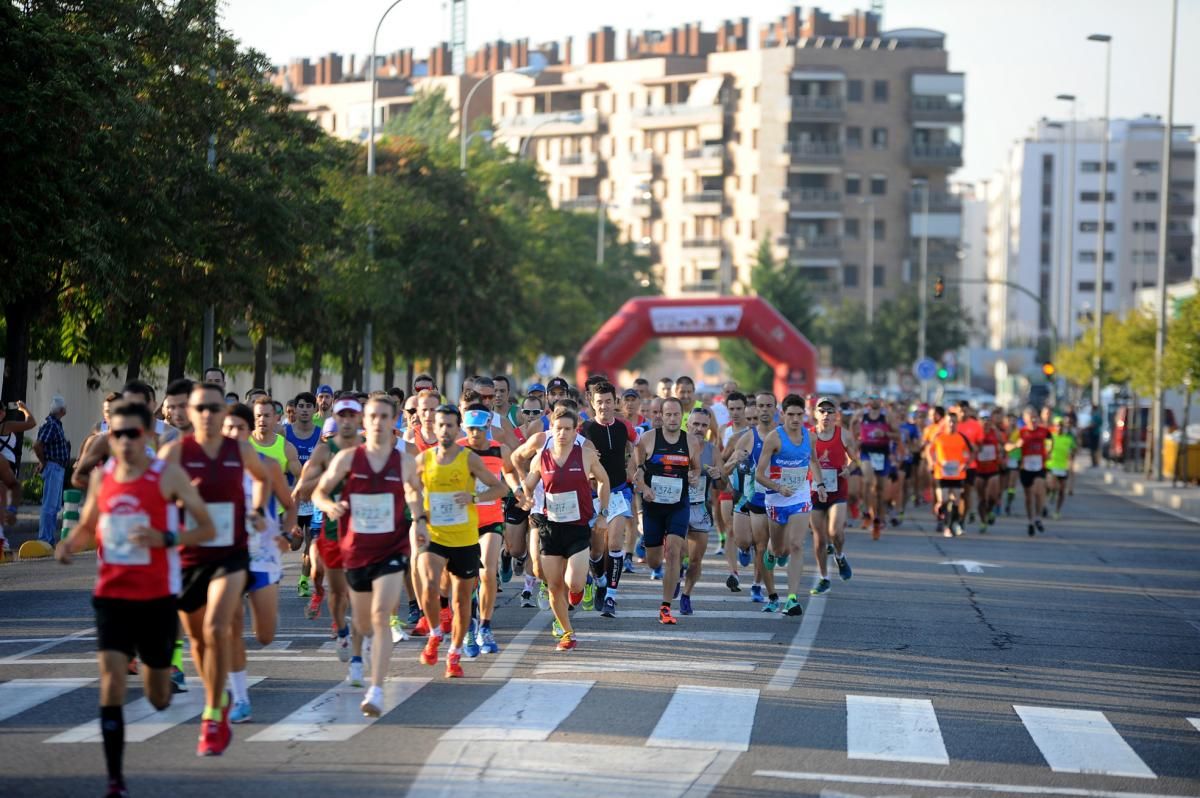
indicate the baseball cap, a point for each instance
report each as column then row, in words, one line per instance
column 537, row 387
column 630, row 393
column 325, row 389
column 825, row 400
column 560, row 383
column 349, row 403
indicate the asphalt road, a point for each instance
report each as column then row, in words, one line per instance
column 1067, row 664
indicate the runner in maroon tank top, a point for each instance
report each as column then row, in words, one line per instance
column 130, row 511
column 373, row 534
column 215, row 572
column 836, row 458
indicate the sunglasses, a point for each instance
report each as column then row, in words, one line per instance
column 412, row 411
column 127, row 433
column 208, row 407
column 534, row 412
column 487, row 396
column 826, row 410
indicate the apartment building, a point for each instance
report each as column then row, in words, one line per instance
column 1044, row 224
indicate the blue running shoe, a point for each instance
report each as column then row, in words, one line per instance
column 844, row 569
column 414, row 616
column 744, row 557
column 657, row 574
column 240, row 712
column 486, row 641
column 829, row 549
column 628, row 566
column 822, row 586
column 178, row 681
column 610, row 607
column 640, row 548
column 756, row 594
column 471, row 645
column 772, row 606
column 685, row 605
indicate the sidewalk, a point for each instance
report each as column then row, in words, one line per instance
column 1183, row 501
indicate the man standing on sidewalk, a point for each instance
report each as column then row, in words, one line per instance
column 53, row 452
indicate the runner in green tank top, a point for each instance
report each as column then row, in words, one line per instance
column 1058, row 463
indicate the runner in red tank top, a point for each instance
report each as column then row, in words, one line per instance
column 130, row 511
column 373, row 533
column 215, row 572
column 836, row 458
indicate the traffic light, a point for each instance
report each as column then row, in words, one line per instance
column 943, row 373
column 1048, row 369
column 939, row 287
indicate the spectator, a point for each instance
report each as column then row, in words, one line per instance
column 53, row 452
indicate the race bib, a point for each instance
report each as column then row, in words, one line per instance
column 114, row 534
column 445, row 511
column 480, row 488
column 877, row 460
column 987, row 453
column 829, row 477
column 372, row 513
column 617, row 505
column 794, row 478
column 951, row 468
column 221, row 514
column 306, row 508
column 1032, row 462
column 667, row 490
column 698, row 492
column 562, row 508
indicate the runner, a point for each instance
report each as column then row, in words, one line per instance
column 665, row 386
column 785, row 469
column 970, row 427
column 834, row 450
column 130, row 513
column 989, row 463
column 613, row 439
column 1062, row 451
column 738, row 524
column 270, row 443
column 950, row 453
column 516, row 517
column 1031, row 440
column 365, row 490
column 875, row 434
column 747, row 451
column 700, row 515
column 305, row 436
column 324, row 405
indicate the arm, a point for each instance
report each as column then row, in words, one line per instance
column 176, row 485
column 26, row 424
column 852, row 456
column 279, row 488
column 645, row 448
column 529, row 482
column 524, row 454
column 822, row 493
column 496, row 489
column 591, row 462
column 253, row 463
column 762, row 473
column 311, row 474
column 40, row 452
column 293, row 459
column 337, row 471
column 508, row 472
column 630, row 461
column 419, row 532
column 9, row 480
column 695, row 450
column 94, row 451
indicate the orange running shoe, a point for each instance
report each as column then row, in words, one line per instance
column 422, row 627
column 566, row 642
column 429, row 655
column 453, row 668
column 665, row 616
column 447, row 619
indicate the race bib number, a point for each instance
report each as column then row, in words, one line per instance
column 877, row 460
column 794, row 478
column 617, row 505
column 372, row 513
column 480, row 488
column 562, row 508
column 1032, row 462
column 987, row 453
column 445, row 511
column 667, row 490
column 306, row 508
column 221, row 514
column 698, row 492
column 829, row 478
column 114, row 534
column 951, row 468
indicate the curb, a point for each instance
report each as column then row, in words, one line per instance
column 1181, row 503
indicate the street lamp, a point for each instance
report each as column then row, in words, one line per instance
column 1060, row 201
column 1098, row 311
column 924, row 273
column 571, row 117
column 870, row 203
column 463, row 127
column 1065, row 313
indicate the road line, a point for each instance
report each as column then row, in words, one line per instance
column 143, row 721
column 1195, row 722
column 644, row 666
column 280, row 657
column 707, row 718
column 22, row 694
column 512, row 653
column 728, row 598
column 707, row 781
column 797, row 653
column 1081, row 741
column 12, row 641
column 741, row 615
column 277, row 645
column 335, row 715
column 678, row 637
column 1022, row 789
column 57, row 641
column 522, row 710
column 893, row 730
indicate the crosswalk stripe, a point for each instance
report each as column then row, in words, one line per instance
column 698, row 600
column 1195, row 722
column 679, row 637
column 707, row 718
column 143, row 721
column 893, row 730
column 741, row 615
column 335, row 715
column 523, row 709
column 277, row 645
column 22, row 694
column 1081, row 741
column 644, row 666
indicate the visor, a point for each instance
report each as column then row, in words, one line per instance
column 477, row 418
column 346, row 404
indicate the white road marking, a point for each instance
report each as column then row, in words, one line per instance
column 143, row 721
column 1020, row 789
column 277, row 645
column 523, row 709
column 970, row 566
column 727, row 598
column 707, row 718
column 893, row 730
column 336, row 716
column 1195, row 722
column 49, row 644
column 1081, row 741
column 677, row 637
column 510, row 655
column 566, row 665
column 741, row 615
column 22, row 694
column 797, row 653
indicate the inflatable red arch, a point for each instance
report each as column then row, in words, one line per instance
column 776, row 340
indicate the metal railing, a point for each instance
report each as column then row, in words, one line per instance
column 698, row 243
column 585, row 203
column 712, row 195
column 812, row 195
column 818, row 103
column 707, row 151
column 813, row 149
column 937, row 152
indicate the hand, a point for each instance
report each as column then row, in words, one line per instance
column 463, row 498
column 786, row 490
column 21, row 406
column 258, row 522
column 147, row 537
column 741, row 455
column 339, row 510
column 297, row 538
column 601, row 523
column 822, row 493
column 284, row 542
column 37, row 469
column 846, row 470
column 647, row 494
column 62, row 552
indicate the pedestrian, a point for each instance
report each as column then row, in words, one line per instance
column 53, row 452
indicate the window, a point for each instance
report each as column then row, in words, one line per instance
column 878, row 185
column 1142, row 227
column 880, row 229
column 1087, row 286
column 755, row 94
column 1093, row 227
column 1094, row 166
column 1089, row 256
column 754, row 139
column 1150, row 167
column 753, row 184
column 854, row 91
column 753, row 229
column 850, row 276
column 853, row 185
column 850, row 228
column 879, row 277
column 879, row 138
column 1094, row 196
column 879, row 91
column 1145, row 196
column 854, row 139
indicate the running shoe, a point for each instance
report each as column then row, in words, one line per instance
column 398, row 631
column 211, row 739
column 640, row 548
column 486, row 641
column 343, row 647
column 566, row 643
column 429, row 654
column 770, row 560
column 589, row 595
column 601, row 594
column 782, row 560
column 971, row 517
column 240, row 712
column 656, row 574
column 756, row 594
column 844, row 568
column 772, row 605
column 506, row 567
column 453, row 666
column 314, row 607
column 302, row 588
column 574, row 600
column 372, row 703
column 991, row 519
column 983, row 528
column 946, row 533
column 470, row 644
column 356, row 673
column 829, row 549
column 792, row 605
column 720, row 552
column 744, row 557
column 556, row 628
column 527, row 599
column 414, row 616
column 116, row 789
column 610, row 607
column 958, row 528
column 685, row 604
column 821, row 587
column 854, row 509
column 178, row 681
column 628, row 566
column 422, row 627
column 446, row 617
column 733, row 583
column 518, row 566
column 1057, row 515
column 1038, row 523
column 543, row 596
column 876, row 530
column 1045, row 512
column 1031, row 530
column 665, row 617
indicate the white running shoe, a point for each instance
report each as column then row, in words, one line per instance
column 372, row 704
column 343, row 648
column 356, row 674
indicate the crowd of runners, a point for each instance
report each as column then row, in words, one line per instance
column 410, row 513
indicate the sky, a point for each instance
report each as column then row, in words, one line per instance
column 1016, row 54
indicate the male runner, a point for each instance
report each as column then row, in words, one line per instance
column 737, row 524
column 1031, row 440
column 305, row 436
column 989, row 460
column 613, row 439
column 700, row 516
column 747, row 452
column 949, row 454
column 875, row 436
column 1058, row 462
column 324, row 405
column 836, row 457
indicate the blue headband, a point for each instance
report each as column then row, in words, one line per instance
column 477, row 418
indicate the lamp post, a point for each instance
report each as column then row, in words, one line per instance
column 1098, row 313
column 572, row 117
column 465, row 137
column 1065, row 314
column 1060, row 200
column 1164, row 197
column 923, row 301
column 870, row 203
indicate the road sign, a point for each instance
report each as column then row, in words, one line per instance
column 544, row 365
column 925, row 369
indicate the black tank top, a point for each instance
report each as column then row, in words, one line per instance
column 610, row 443
column 669, row 461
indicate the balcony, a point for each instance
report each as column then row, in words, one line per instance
column 822, row 249
column 705, row 250
column 939, row 202
column 559, row 123
column 831, row 107
column 800, row 152
column 646, row 248
column 660, row 117
column 644, row 162
column 702, row 287
column 706, row 160
column 935, row 108
column 704, row 203
column 579, row 164
column 946, row 155
column 585, row 203
column 812, row 199
column 643, row 206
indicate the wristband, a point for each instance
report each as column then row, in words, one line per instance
column 170, row 539
column 261, row 511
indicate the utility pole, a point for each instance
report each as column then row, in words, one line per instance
column 1164, row 198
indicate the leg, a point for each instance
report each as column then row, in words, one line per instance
column 224, row 596
column 460, row 595
column 52, row 496
column 264, row 609
column 113, row 669
column 818, row 521
column 490, row 545
column 554, row 573
column 759, row 527
column 697, row 543
column 671, row 555
column 795, row 531
column 385, row 592
column 730, row 534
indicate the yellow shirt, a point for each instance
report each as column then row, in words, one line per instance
column 450, row 524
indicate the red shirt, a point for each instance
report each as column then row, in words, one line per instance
column 973, row 431
column 831, row 454
column 127, row 571
column 375, row 528
column 1033, row 444
column 490, row 513
column 570, row 477
column 222, row 489
column 988, row 459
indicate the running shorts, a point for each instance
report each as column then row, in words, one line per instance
column 145, row 629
